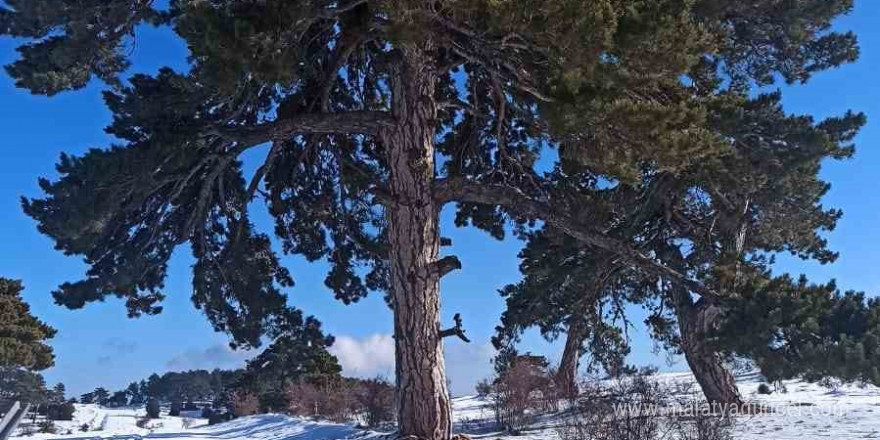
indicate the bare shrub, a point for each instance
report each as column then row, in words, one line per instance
column 46, row 427
column 304, row 398
column 375, row 400
column 627, row 408
column 244, row 403
column 334, row 400
column 524, row 389
column 703, row 424
column 683, row 388
column 639, row 408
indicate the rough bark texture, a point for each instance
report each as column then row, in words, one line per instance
column 423, row 406
column 717, row 383
column 566, row 377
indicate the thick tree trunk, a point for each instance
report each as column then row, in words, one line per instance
column 717, row 383
column 423, row 406
column 566, row 377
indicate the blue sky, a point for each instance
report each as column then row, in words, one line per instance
column 99, row 346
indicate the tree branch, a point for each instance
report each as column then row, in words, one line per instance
column 446, row 265
column 456, row 189
column 458, row 330
column 355, row 122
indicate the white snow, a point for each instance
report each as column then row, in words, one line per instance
column 803, row 412
column 113, row 423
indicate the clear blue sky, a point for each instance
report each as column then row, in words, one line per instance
column 99, row 346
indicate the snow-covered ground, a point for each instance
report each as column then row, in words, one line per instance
column 92, row 421
column 804, row 412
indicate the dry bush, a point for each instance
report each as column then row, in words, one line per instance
column 375, row 400
column 244, row 403
column 639, row 408
column 522, row 391
column 626, row 409
column 334, row 401
column 703, row 424
column 46, row 427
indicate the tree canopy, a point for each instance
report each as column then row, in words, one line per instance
column 375, row 114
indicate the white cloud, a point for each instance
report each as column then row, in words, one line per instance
column 365, row 357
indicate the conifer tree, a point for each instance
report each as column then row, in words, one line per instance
column 87, row 398
column 719, row 221
column 377, row 114
column 298, row 352
column 58, row 392
column 135, row 394
column 22, row 336
column 102, row 396
column 19, row 384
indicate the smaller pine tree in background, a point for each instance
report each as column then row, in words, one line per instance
column 87, row 398
column 102, row 396
column 176, row 406
column 153, row 409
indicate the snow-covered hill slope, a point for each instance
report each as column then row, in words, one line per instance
column 804, row 412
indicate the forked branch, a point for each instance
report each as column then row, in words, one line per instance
column 446, row 265
column 458, row 330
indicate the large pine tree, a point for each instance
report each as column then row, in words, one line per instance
column 379, row 113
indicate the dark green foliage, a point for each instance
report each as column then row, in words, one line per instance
column 717, row 220
column 796, row 329
column 22, row 335
column 564, row 287
column 70, row 41
column 299, row 352
column 153, row 408
column 135, row 394
column 118, row 399
column 57, row 393
column 102, row 396
column 579, row 74
column 176, row 406
column 61, row 411
column 198, row 385
column 23, row 385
